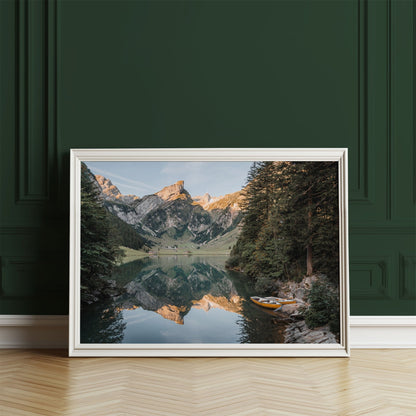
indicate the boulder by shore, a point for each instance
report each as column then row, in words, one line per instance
column 297, row 331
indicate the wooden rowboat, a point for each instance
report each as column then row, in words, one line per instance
column 282, row 300
column 265, row 302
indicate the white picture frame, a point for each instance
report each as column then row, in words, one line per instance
column 78, row 349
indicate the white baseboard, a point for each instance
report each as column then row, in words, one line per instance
column 383, row 331
column 33, row 331
column 51, row 331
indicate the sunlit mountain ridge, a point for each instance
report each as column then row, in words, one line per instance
column 172, row 217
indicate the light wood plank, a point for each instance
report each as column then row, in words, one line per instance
column 371, row 382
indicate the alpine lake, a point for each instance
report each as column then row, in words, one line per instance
column 180, row 299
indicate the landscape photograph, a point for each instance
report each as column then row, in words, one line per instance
column 209, row 252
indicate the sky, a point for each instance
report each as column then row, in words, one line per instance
column 144, row 178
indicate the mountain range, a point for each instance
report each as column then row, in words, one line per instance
column 172, row 215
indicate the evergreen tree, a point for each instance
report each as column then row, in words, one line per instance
column 127, row 235
column 255, row 207
column 99, row 243
column 290, row 221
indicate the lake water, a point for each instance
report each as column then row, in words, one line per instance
column 180, row 299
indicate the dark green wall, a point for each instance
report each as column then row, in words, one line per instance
column 206, row 74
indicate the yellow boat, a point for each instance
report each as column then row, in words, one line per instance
column 282, row 301
column 266, row 302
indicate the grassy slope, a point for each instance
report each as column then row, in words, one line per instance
column 218, row 246
column 131, row 255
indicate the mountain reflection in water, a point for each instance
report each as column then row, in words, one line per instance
column 180, row 299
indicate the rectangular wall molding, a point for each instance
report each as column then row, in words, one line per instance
column 51, row 331
column 16, row 272
column 407, row 274
column 359, row 189
column 373, row 282
column 35, row 91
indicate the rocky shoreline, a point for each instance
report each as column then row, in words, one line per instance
column 297, row 331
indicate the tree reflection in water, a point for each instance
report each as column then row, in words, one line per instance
column 102, row 323
column 257, row 325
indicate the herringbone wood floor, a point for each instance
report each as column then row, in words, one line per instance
column 371, row 382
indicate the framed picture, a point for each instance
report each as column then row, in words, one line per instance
column 209, row 252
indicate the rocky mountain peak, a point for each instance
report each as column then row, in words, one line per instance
column 232, row 201
column 108, row 189
column 111, row 192
column 202, row 200
column 172, row 192
column 210, row 203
